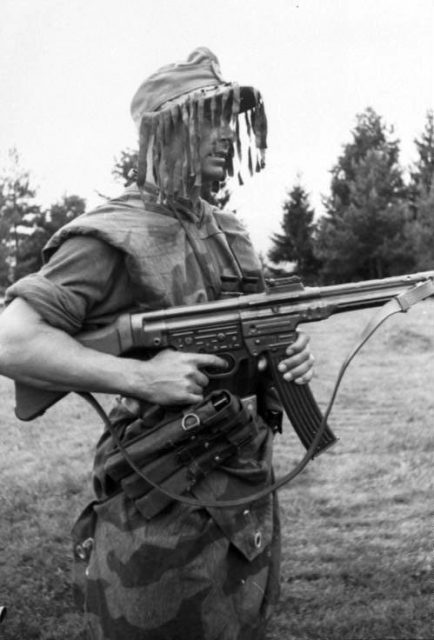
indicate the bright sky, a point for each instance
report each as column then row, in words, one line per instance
column 68, row 70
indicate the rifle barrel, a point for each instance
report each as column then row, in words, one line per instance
column 347, row 296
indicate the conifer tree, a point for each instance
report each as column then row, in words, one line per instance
column 362, row 235
column 423, row 171
column 421, row 229
column 44, row 225
column 295, row 242
column 17, row 212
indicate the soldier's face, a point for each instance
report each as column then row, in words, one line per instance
column 214, row 150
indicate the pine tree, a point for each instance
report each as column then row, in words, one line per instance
column 17, row 212
column 422, row 176
column 44, row 225
column 295, row 242
column 421, row 230
column 362, row 235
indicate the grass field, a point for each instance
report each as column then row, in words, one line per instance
column 357, row 523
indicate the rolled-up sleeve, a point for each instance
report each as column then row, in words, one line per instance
column 84, row 279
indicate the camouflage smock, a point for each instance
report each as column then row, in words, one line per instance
column 189, row 572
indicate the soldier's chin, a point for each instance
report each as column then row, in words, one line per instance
column 216, row 174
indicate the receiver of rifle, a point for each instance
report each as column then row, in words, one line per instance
column 238, row 327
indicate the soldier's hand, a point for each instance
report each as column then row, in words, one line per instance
column 298, row 365
column 174, row 377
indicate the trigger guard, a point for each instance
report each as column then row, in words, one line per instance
column 217, row 372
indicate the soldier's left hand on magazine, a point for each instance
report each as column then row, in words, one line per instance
column 298, row 364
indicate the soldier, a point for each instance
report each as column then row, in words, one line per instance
column 179, row 571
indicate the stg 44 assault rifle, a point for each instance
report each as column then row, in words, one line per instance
column 243, row 326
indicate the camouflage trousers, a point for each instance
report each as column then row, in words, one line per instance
column 177, row 576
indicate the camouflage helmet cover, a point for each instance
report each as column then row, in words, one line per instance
column 176, row 95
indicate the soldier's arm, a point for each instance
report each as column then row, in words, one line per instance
column 35, row 353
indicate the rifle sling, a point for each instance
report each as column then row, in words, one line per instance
column 400, row 303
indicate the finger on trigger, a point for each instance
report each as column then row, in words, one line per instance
column 201, row 378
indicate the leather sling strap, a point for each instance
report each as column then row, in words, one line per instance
column 400, row 303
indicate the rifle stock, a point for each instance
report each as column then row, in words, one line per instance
column 235, row 328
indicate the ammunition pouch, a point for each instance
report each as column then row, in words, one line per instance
column 177, row 453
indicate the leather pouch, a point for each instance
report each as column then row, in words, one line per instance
column 177, row 453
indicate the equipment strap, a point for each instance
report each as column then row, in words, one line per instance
column 398, row 304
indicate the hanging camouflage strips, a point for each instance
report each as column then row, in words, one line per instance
column 169, row 109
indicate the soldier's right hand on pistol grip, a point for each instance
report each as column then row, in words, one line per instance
column 177, row 377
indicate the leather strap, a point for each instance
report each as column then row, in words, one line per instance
column 400, row 303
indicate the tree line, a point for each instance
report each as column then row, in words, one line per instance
column 379, row 216
column 25, row 226
column 378, row 219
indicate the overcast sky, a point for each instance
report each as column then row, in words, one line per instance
column 69, row 68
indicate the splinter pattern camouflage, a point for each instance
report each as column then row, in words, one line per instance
column 188, row 572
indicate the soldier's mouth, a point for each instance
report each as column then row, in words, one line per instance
column 219, row 157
